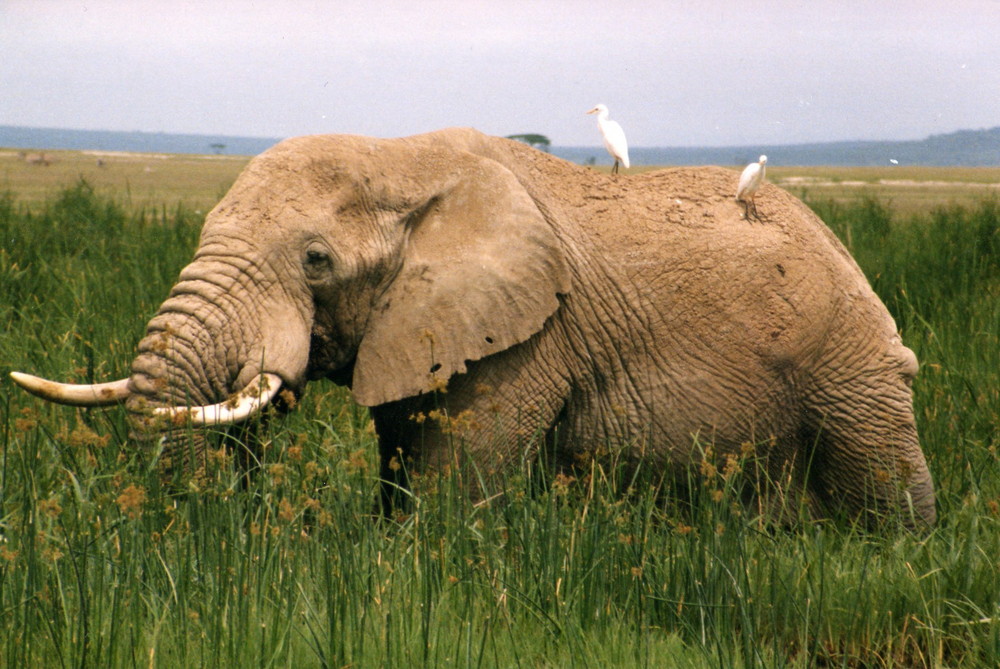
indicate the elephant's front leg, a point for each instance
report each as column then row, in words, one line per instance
column 398, row 434
column 481, row 430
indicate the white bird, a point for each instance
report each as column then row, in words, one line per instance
column 614, row 137
column 750, row 181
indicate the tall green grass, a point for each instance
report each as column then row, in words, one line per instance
column 100, row 567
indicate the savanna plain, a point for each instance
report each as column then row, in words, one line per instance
column 102, row 567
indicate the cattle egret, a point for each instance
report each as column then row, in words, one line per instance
column 614, row 137
column 750, row 181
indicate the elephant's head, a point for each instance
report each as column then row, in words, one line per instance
column 383, row 264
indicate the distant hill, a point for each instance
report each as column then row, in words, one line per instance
column 136, row 142
column 965, row 148
column 969, row 148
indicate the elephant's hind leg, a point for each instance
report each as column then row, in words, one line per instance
column 867, row 463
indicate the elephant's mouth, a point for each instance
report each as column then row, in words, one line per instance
column 287, row 398
column 342, row 375
column 265, row 389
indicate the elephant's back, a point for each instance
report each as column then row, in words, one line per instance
column 681, row 229
column 770, row 287
column 684, row 214
column 701, row 217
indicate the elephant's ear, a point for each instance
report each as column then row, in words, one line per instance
column 481, row 272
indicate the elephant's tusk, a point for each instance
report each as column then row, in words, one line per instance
column 255, row 396
column 84, row 395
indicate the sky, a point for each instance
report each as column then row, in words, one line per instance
column 672, row 72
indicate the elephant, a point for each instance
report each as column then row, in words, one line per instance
column 493, row 304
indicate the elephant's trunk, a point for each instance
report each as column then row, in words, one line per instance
column 229, row 337
column 176, row 367
column 216, row 352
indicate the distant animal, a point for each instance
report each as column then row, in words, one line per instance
column 35, row 159
column 750, row 182
column 496, row 306
column 613, row 135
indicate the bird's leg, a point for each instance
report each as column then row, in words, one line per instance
column 753, row 204
column 746, row 209
column 614, row 168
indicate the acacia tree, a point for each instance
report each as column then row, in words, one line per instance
column 540, row 142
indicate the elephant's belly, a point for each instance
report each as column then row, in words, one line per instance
column 670, row 420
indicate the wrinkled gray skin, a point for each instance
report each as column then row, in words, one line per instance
column 638, row 313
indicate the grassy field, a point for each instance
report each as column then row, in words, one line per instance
column 908, row 190
column 197, row 182
column 136, row 180
column 100, row 567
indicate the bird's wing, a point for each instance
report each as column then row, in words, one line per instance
column 614, row 141
column 747, row 178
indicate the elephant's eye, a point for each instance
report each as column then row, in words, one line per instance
column 317, row 262
column 314, row 257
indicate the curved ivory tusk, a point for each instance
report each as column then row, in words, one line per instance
column 85, row 395
column 255, row 396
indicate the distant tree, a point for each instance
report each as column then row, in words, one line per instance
column 540, row 142
column 218, row 148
